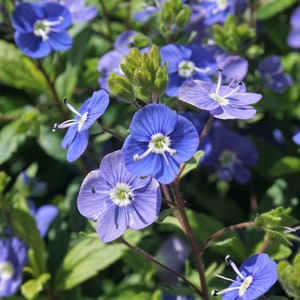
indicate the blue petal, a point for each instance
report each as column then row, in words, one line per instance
column 92, row 204
column 60, row 41
column 69, row 136
column 145, row 207
column 142, row 167
column 78, row 145
column 113, row 223
column 194, row 93
column 32, row 45
column 296, row 138
column 53, row 11
column 184, row 139
column 95, row 106
column 174, row 54
column 152, row 119
column 175, row 82
column 166, row 169
column 25, row 15
column 44, row 216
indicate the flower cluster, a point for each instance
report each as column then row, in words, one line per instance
column 41, row 28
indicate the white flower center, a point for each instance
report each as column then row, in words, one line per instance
column 121, row 194
column 245, row 285
column 221, row 100
column 158, row 144
column 186, row 69
column 42, row 28
column 82, row 121
column 6, row 270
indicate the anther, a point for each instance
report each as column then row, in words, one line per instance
column 214, row 293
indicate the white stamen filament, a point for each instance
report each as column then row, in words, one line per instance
column 43, row 27
column 233, row 266
column 121, row 194
column 219, row 81
column 158, row 144
column 68, row 123
column 233, row 91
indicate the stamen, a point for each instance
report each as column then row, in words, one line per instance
column 222, row 292
column 70, row 107
column 234, row 90
column 219, row 80
column 233, row 266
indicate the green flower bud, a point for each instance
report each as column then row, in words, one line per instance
column 121, row 87
column 142, row 82
column 161, row 81
column 154, row 56
column 131, row 62
column 183, row 17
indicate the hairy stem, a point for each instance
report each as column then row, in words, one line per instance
column 192, row 241
column 222, row 231
column 157, row 262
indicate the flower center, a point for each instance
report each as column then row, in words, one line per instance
column 222, row 4
column 121, row 194
column 186, row 69
column 227, row 158
column 158, row 144
column 42, row 28
column 220, row 99
column 6, row 270
column 246, row 283
column 80, row 122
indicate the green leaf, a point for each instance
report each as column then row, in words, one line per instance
column 19, row 71
column 31, row 288
column 85, row 260
column 287, row 165
column 173, row 290
column 25, row 228
column 270, row 8
column 15, row 133
column 50, row 142
column 192, row 163
column 289, row 276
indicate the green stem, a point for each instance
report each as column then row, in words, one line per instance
column 106, row 19
column 157, row 262
column 206, row 128
column 192, row 241
column 112, row 133
column 51, row 84
column 221, row 232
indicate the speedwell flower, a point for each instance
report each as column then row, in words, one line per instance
column 222, row 101
column 13, row 257
column 254, row 278
column 159, row 141
column 230, row 154
column 77, row 136
column 40, row 28
column 117, row 199
column 185, row 63
column 273, row 75
column 293, row 39
column 78, row 10
column 296, row 138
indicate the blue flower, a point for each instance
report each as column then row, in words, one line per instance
column 254, row 278
column 293, row 39
column 222, row 101
column 43, row 216
column 230, row 154
column 40, row 28
column 185, row 63
column 159, row 142
column 173, row 253
column 273, row 75
column 79, row 12
column 118, row 200
column 76, row 138
column 216, row 11
column 296, row 138
column 13, row 257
